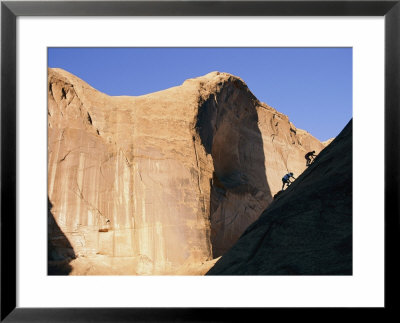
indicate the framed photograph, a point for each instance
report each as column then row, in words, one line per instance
column 197, row 160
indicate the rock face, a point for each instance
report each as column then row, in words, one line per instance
column 59, row 249
column 327, row 142
column 308, row 229
column 164, row 180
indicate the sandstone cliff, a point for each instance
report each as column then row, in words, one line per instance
column 307, row 230
column 160, row 182
column 327, row 142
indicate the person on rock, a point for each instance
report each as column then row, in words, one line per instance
column 309, row 157
column 286, row 179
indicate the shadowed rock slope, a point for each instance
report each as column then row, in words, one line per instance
column 307, row 230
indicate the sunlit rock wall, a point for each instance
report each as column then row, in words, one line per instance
column 170, row 178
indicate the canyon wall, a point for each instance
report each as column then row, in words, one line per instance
column 166, row 180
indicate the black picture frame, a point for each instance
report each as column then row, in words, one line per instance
column 10, row 10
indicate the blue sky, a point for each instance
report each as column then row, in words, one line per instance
column 313, row 86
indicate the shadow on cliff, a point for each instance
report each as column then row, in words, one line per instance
column 307, row 230
column 227, row 124
column 59, row 249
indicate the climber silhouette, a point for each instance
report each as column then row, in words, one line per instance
column 286, row 180
column 310, row 157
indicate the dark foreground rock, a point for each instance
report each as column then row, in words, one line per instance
column 308, row 229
